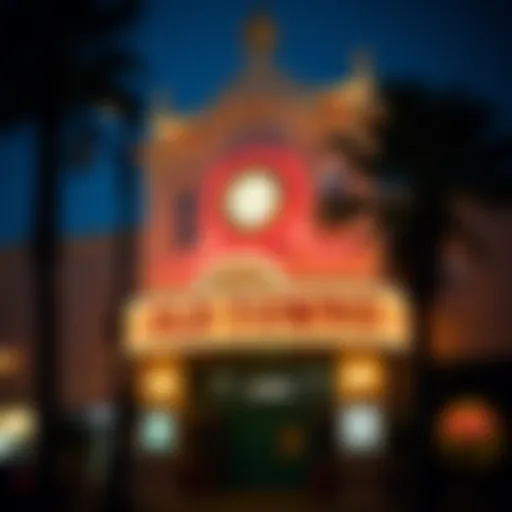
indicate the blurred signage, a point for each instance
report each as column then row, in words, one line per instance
column 300, row 319
column 470, row 433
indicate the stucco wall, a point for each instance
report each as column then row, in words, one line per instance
column 85, row 294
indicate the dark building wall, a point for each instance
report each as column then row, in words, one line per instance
column 16, row 320
column 87, row 280
column 475, row 302
column 85, row 287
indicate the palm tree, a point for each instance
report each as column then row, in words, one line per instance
column 432, row 137
column 50, row 75
column 129, row 112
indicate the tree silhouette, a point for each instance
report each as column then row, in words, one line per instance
column 430, row 144
column 57, row 58
column 129, row 111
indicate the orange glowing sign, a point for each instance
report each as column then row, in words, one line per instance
column 471, row 434
column 291, row 318
column 468, row 421
column 295, row 311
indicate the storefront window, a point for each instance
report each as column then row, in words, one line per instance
column 272, row 389
column 185, row 223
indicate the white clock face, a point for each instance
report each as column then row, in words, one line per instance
column 253, row 199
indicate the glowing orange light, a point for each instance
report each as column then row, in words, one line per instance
column 360, row 376
column 467, row 421
column 163, row 384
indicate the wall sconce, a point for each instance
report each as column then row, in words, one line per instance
column 163, row 384
column 360, row 377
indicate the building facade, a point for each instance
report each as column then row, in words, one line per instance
column 264, row 317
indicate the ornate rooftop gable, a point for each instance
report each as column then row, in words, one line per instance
column 264, row 96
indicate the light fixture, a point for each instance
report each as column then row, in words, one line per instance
column 360, row 376
column 18, row 428
column 158, row 432
column 361, row 429
column 163, row 384
column 18, row 422
column 253, row 199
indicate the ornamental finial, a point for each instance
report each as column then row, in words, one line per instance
column 261, row 34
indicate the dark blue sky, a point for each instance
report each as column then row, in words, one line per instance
column 192, row 50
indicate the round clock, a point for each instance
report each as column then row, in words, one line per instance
column 253, row 199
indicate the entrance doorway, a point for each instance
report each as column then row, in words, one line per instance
column 270, row 448
column 268, row 412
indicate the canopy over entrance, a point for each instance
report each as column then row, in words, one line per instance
column 251, row 305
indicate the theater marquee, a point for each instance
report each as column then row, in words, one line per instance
column 303, row 318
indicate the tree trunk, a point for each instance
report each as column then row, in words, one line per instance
column 45, row 253
column 119, row 491
column 427, row 227
column 425, row 498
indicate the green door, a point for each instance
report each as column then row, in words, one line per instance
column 269, row 448
column 267, row 409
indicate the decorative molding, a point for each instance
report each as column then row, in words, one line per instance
column 351, row 108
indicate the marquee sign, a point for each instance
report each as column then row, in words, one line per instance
column 302, row 318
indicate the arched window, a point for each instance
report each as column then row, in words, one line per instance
column 337, row 200
column 186, row 219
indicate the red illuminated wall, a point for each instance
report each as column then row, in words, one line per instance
column 294, row 242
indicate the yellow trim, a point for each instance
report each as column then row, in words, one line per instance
column 222, row 333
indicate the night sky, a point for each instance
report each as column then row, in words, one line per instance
column 191, row 50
